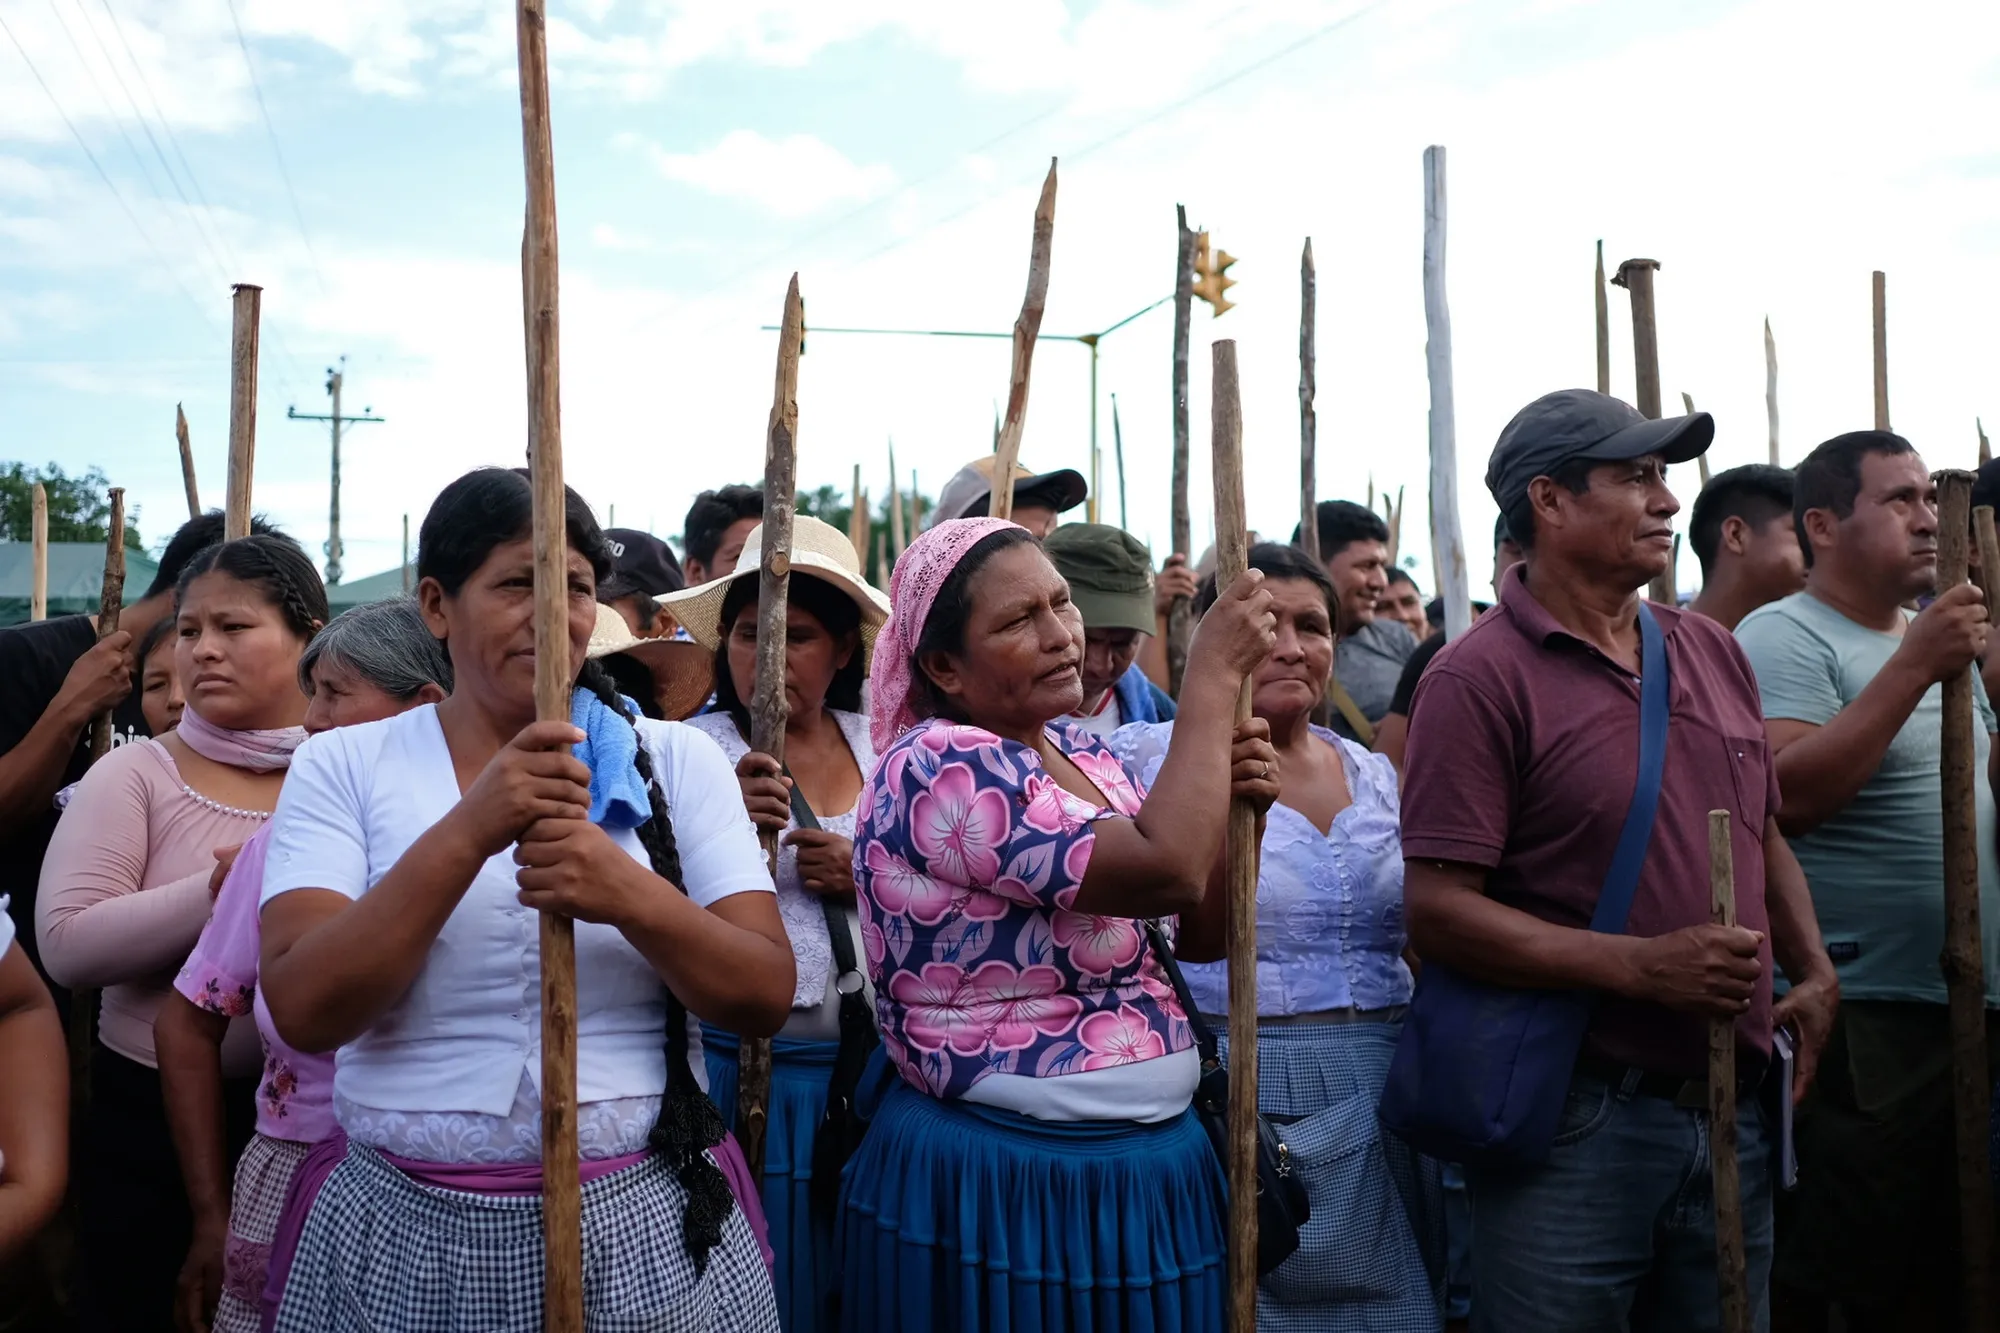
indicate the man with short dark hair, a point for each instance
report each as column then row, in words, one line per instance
column 1524, row 761
column 1392, row 734
column 1039, row 497
column 1404, row 603
column 55, row 677
column 1110, row 577
column 1852, row 687
column 643, row 568
column 1354, row 546
column 1743, row 536
column 718, row 523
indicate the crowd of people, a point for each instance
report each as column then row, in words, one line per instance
column 294, row 915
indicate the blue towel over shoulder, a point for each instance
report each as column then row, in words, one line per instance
column 610, row 746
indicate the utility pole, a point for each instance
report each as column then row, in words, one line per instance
column 334, row 375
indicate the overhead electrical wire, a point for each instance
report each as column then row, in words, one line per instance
column 298, row 214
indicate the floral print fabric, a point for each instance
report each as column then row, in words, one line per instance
column 967, row 861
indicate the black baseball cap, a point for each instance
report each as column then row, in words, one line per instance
column 1577, row 423
column 969, row 492
column 641, row 566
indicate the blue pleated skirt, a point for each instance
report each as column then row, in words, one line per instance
column 803, row 1267
column 957, row 1216
column 1372, row 1258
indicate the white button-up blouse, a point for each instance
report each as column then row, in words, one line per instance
column 468, row 1031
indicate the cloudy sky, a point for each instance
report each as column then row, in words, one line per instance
column 1769, row 153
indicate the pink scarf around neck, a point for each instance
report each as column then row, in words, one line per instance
column 257, row 751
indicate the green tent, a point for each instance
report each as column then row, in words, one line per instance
column 76, row 578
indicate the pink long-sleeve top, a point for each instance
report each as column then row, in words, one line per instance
column 124, row 893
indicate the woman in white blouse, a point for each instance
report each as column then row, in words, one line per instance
column 408, row 865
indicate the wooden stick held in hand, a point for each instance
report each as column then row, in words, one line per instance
column 769, row 710
column 110, row 602
column 1731, row 1268
column 1447, row 541
column 1180, row 617
column 242, row 411
column 562, row 1192
column 1231, row 558
column 1026, row 327
column 38, row 535
column 1964, row 962
column 1308, row 422
column 187, row 462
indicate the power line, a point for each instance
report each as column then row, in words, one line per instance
column 298, row 214
column 109, row 184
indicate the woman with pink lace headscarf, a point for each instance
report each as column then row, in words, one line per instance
column 1037, row 1160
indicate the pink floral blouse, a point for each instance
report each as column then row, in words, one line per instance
column 967, row 859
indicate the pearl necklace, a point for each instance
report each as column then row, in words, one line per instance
column 222, row 809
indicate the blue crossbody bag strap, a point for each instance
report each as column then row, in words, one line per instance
column 1614, row 904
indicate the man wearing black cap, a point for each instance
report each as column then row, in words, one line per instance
column 1110, row 577
column 642, row 568
column 1039, row 497
column 1523, row 763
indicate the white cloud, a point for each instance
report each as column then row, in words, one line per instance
column 792, row 177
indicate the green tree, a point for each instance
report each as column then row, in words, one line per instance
column 835, row 507
column 79, row 507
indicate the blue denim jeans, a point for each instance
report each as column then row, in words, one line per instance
column 1617, row 1231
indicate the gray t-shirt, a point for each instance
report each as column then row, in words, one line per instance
column 1877, row 868
column 1368, row 662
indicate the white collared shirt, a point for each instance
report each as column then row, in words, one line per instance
column 469, row 1027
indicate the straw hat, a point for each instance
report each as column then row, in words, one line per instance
column 683, row 672
column 818, row 549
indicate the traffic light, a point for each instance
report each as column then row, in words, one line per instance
column 1211, row 276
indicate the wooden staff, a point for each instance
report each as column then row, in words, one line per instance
column 1447, row 542
column 1180, row 617
column 1987, row 573
column 1026, row 327
column 769, row 711
column 406, row 555
column 1731, row 1269
column 1700, row 461
column 857, row 519
column 562, row 1193
column 187, row 462
column 1771, row 388
column 1880, row 291
column 896, row 542
column 1636, row 277
column 883, row 565
column 1308, row 422
column 1985, row 449
column 1394, row 520
column 1231, row 558
column 1603, row 327
column 110, row 601
column 1963, row 964
column 242, row 410
column 1118, row 451
column 38, row 534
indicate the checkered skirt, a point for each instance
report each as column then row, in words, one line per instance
column 382, row 1252
column 263, row 1178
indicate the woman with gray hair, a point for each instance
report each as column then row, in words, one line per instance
column 371, row 662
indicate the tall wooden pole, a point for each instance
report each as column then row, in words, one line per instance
column 896, row 541
column 1180, row 613
column 1701, row 460
column 1963, row 961
column 1985, row 448
column 248, row 302
column 562, row 1194
column 38, row 534
column 1603, row 327
column 1731, row 1268
column 1308, row 422
column 1771, row 388
column 1880, row 291
column 1231, row 558
column 1118, row 448
column 110, row 602
column 187, row 462
column 857, row 519
column 1447, row 541
column 1636, row 277
column 1026, row 327
column 769, row 711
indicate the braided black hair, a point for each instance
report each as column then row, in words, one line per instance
column 689, row 1123
column 275, row 566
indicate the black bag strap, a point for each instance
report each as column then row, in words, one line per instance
column 1621, row 882
column 1204, row 1036
column 853, row 1003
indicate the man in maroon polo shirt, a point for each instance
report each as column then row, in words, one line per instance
column 1522, row 762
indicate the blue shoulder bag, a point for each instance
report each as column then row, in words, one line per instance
column 1481, row 1071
